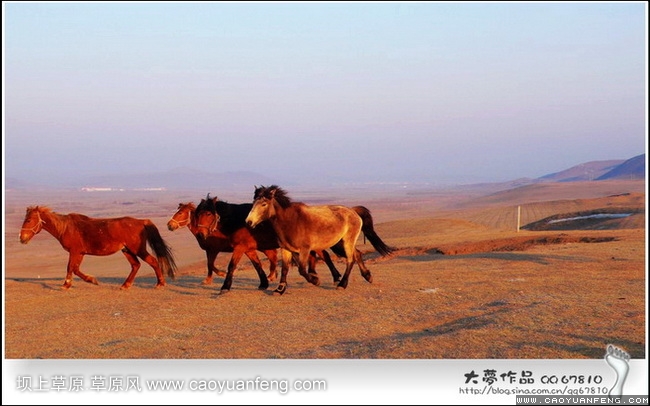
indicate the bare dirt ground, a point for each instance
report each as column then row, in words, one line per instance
column 464, row 283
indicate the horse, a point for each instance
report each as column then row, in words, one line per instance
column 302, row 228
column 81, row 235
column 213, row 215
column 215, row 242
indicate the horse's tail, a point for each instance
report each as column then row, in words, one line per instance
column 162, row 250
column 369, row 231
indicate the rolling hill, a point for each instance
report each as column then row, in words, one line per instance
column 633, row 168
column 585, row 171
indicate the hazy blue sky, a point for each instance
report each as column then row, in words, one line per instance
column 445, row 92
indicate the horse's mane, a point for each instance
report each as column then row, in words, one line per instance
column 273, row 192
column 60, row 222
column 44, row 208
column 206, row 204
column 61, row 217
column 191, row 205
column 231, row 216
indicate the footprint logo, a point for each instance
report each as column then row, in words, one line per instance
column 619, row 361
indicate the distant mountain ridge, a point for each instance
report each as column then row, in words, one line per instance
column 191, row 179
column 633, row 168
column 585, row 171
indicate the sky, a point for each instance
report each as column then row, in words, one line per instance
column 369, row 92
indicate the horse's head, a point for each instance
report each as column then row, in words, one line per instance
column 32, row 225
column 182, row 217
column 206, row 217
column 263, row 208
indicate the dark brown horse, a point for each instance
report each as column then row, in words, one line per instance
column 216, row 242
column 81, row 235
column 302, row 228
column 213, row 215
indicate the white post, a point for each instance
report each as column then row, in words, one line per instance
column 518, row 217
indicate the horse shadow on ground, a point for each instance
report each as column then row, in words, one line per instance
column 371, row 348
column 583, row 346
column 144, row 282
column 183, row 285
column 598, row 347
column 45, row 283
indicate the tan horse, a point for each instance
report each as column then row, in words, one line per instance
column 81, row 235
column 302, row 228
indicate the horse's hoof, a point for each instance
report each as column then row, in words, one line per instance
column 340, row 287
column 159, row 286
column 263, row 287
column 206, row 282
column 224, row 291
column 125, row 287
column 221, row 273
column 94, row 281
column 280, row 289
column 314, row 280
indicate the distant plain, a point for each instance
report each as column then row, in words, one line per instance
column 465, row 282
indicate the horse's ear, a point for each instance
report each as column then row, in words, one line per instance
column 214, row 199
column 272, row 194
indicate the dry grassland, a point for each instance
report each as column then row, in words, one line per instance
column 464, row 283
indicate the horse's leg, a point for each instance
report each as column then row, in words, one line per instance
column 336, row 275
column 211, row 256
column 153, row 262
column 303, row 259
column 287, row 257
column 313, row 259
column 214, row 267
column 74, row 263
column 365, row 272
column 232, row 265
column 350, row 256
column 343, row 283
column 135, row 265
column 272, row 255
column 257, row 264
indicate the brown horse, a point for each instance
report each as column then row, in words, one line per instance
column 81, row 235
column 215, row 242
column 213, row 215
column 302, row 228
